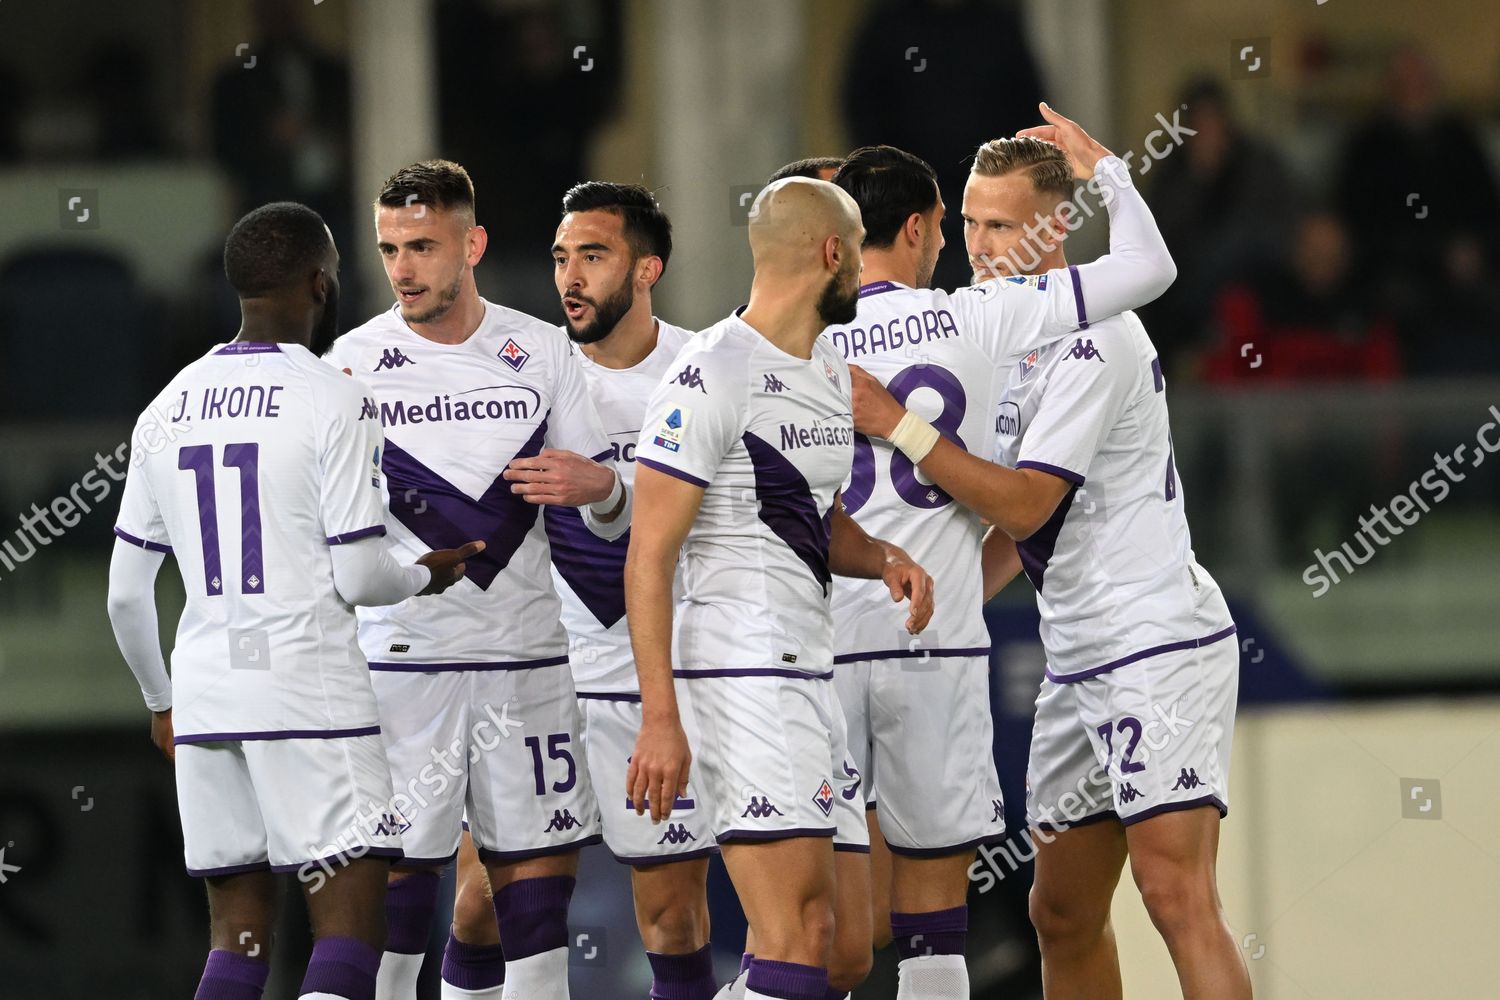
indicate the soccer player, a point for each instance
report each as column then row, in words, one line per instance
column 271, row 505
column 918, row 709
column 1137, row 709
column 739, row 462
column 467, row 389
column 819, row 168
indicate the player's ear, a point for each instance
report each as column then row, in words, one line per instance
column 648, row 269
column 320, row 281
column 477, row 240
column 913, row 229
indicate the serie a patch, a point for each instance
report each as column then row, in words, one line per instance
column 669, row 432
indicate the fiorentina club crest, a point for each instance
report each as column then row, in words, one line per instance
column 831, row 375
column 823, row 797
column 512, row 354
column 1028, row 365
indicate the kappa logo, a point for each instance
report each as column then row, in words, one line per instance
column 368, row 410
column 562, row 821
column 850, row 771
column 1188, row 779
column 823, row 797
column 999, row 810
column 392, row 358
column 692, row 379
column 1129, row 794
column 1084, row 351
column 512, row 354
column 774, row 384
column 391, row 825
column 760, row 807
column 676, row 834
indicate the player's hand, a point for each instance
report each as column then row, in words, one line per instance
column 447, row 566
column 876, row 412
column 559, row 477
column 908, row 580
column 161, row 734
column 658, row 771
column 1083, row 152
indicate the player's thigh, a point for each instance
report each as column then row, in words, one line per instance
column 530, row 796
column 922, row 884
column 1077, row 870
column 350, row 902
column 1173, row 857
column 610, row 727
column 671, row 892
column 223, row 832
column 786, row 888
column 853, row 917
column 880, row 880
column 242, row 911
column 428, row 734
column 933, row 757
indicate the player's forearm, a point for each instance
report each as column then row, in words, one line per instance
column 851, row 552
column 1008, row 498
column 648, row 608
column 1138, row 267
column 132, row 615
column 999, row 560
column 365, row 574
column 610, row 517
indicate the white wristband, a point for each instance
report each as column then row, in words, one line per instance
column 607, row 506
column 914, row 436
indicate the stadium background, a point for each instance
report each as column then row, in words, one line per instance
column 1335, row 324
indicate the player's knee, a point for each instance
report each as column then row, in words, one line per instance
column 473, row 911
column 1177, row 901
column 676, row 928
column 882, row 931
column 1060, row 920
column 849, row 964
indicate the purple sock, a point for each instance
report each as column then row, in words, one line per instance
column 787, row 980
column 683, row 977
column 228, row 975
column 939, row 932
column 533, row 915
column 409, row 906
column 473, row 966
column 342, row 966
column 745, row 961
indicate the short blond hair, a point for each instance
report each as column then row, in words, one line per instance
column 1044, row 163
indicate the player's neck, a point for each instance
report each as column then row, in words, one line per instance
column 1053, row 261
column 791, row 325
column 883, row 265
column 629, row 343
column 267, row 321
column 457, row 324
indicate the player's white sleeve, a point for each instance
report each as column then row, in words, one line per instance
column 692, row 420
column 365, row 575
column 1010, row 316
column 350, row 503
column 132, row 614
column 575, row 426
column 1086, row 392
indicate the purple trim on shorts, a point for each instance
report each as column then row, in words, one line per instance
column 410, row 862
column 250, row 347
column 341, row 967
column 908, row 654
column 674, row 473
column 1083, row 316
column 801, row 831
column 442, row 668
column 1166, row 807
column 753, row 672
column 1171, row 647
column 852, row 848
column 870, row 804
column 277, row 734
column 652, row 860
column 1088, row 820
column 253, row 866
column 609, row 696
column 354, row 536
column 393, row 853
column 876, row 287
column 1056, row 470
column 940, row 852
column 149, row 546
column 485, row 854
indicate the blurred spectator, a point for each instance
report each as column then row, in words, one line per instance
column 1305, row 318
column 1225, row 204
column 1418, row 194
column 523, row 88
column 281, row 127
column 118, row 80
column 937, row 78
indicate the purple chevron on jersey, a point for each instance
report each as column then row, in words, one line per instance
column 594, row 567
column 1036, row 551
column 444, row 517
column 787, row 507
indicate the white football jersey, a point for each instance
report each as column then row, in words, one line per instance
column 590, row 571
column 769, row 437
column 1113, row 567
column 455, row 415
column 267, row 457
column 943, row 356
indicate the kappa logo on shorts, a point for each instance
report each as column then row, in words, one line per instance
column 676, row 834
column 999, row 810
column 823, row 797
column 1188, row 779
column 760, row 807
column 850, row 771
column 562, row 821
column 392, row 825
column 1128, row 794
